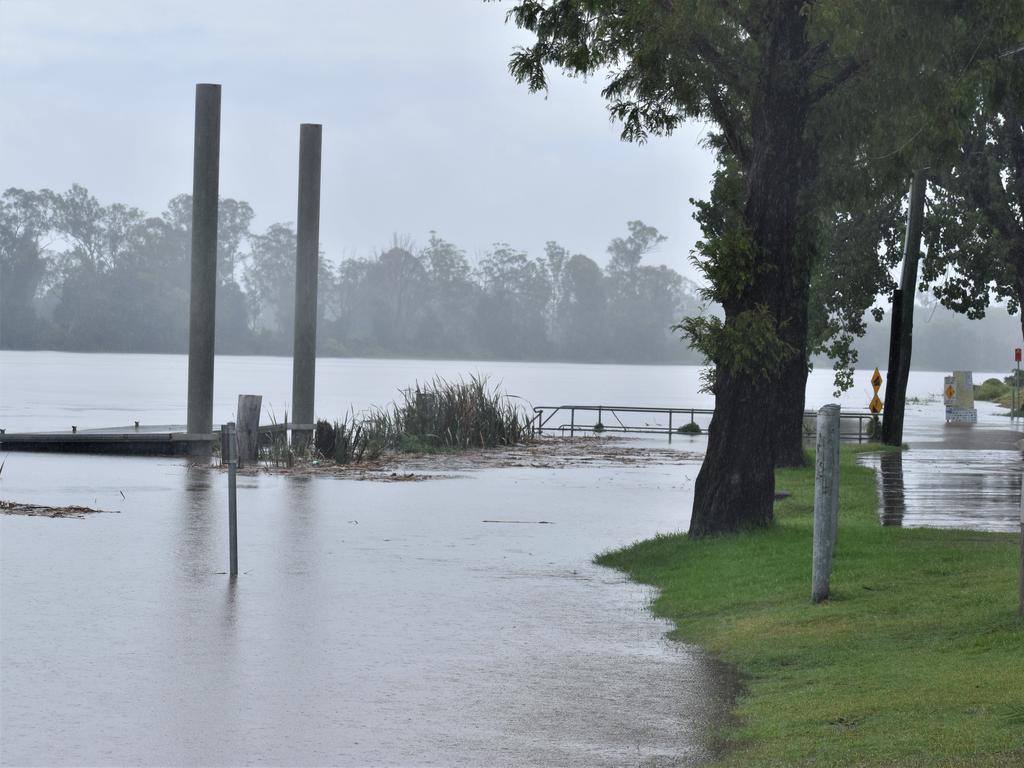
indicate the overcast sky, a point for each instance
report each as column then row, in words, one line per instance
column 423, row 127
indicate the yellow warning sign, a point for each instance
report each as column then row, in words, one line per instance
column 875, row 405
column 950, row 392
column 876, row 380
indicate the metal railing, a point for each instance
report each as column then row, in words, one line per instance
column 670, row 424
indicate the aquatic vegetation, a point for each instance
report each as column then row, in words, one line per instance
column 437, row 416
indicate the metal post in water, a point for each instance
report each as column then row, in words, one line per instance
column 203, row 291
column 826, row 500
column 307, row 257
column 229, row 455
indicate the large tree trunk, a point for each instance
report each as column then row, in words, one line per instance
column 736, row 484
column 792, row 392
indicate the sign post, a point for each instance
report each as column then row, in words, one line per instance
column 876, row 382
column 229, row 455
column 875, row 406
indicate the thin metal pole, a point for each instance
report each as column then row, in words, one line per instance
column 229, row 454
column 670, row 425
column 572, row 422
column 307, row 257
column 203, row 290
column 826, row 500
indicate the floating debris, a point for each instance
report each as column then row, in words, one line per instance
column 545, row 453
column 40, row 510
column 521, row 522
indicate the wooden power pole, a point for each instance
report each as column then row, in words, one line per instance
column 902, row 317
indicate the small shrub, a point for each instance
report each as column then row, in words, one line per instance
column 874, row 429
column 693, row 428
column 991, row 390
column 599, row 427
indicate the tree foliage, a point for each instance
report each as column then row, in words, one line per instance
column 975, row 215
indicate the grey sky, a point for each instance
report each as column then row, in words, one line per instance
column 423, row 127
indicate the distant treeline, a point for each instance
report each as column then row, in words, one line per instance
column 78, row 275
column 947, row 341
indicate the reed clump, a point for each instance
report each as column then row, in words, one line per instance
column 437, row 416
column 346, row 441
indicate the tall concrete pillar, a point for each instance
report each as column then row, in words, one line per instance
column 307, row 257
column 203, row 297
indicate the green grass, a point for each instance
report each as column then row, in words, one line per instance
column 916, row 660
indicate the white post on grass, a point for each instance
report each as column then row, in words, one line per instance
column 826, row 500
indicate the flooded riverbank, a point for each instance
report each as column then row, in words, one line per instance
column 372, row 623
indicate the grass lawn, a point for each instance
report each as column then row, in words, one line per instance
column 916, row 660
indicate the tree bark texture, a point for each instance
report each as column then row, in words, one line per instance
column 736, row 485
column 792, row 394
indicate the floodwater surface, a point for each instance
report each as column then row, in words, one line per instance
column 372, row 623
column 953, row 475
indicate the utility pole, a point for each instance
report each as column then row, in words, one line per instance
column 902, row 317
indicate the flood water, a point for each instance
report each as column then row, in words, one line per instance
column 373, row 623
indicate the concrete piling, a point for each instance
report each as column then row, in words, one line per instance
column 826, row 500
column 307, row 253
column 203, row 296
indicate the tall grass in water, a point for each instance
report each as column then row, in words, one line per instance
column 456, row 415
column 347, row 441
column 438, row 416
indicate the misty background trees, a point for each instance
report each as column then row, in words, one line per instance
column 79, row 275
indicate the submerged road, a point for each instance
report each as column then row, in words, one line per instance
column 953, row 475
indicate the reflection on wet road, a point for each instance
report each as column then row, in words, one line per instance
column 963, row 477
column 372, row 624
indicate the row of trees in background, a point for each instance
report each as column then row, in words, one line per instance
column 78, row 275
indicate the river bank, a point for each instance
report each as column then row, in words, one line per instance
column 917, row 660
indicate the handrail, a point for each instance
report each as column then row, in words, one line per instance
column 543, row 415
